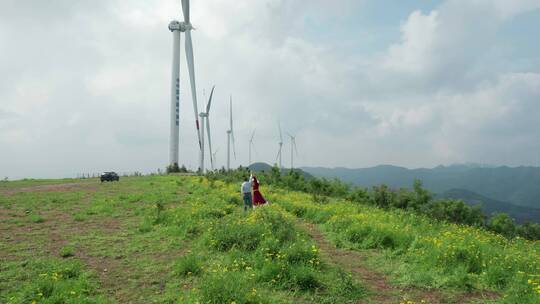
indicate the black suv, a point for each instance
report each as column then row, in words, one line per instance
column 109, row 177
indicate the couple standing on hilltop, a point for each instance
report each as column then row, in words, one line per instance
column 251, row 200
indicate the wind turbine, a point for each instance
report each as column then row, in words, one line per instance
column 293, row 149
column 230, row 136
column 176, row 28
column 214, row 158
column 280, row 146
column 205, row 118
column 251, row 145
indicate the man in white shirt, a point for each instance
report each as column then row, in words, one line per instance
column 246, row 193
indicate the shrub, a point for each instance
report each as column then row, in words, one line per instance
column 345, row 288
column 229, row 287
column 301, row 253
column 530, row 231
column 382, row 196
column 146, row 225
column 160, row 213
column 173, row 168
column 456, row 211
column 56, row 281
column 303, row 278
column 232, row 233
column 421, row 196
column 187, row 265
column 67, row 251
column 278, row 225
column 79, row 217
column 36, row 218
column 274, row 273
column 358, row 194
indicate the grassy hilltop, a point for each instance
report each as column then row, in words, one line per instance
column 185, row 239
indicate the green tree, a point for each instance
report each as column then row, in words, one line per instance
column 503, row 224
column 382, row 196
column 421, row 197
column 529, row 231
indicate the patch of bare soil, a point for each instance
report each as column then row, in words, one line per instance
column 381, row 291
column 6, row 214
column 90, row 185
column 117, row 276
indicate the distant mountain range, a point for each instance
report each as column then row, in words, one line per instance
column 258, row 167
column 515, row 191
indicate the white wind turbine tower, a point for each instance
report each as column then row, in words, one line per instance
column 293, row 149
column 176, row 28
column 250, row 146
column 230, row 136
column 278, row 158
column 205, row 119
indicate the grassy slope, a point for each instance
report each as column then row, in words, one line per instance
column 157, row 240
column 417, row 251
column 181, row 240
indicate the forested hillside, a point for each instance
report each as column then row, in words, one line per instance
column 518, row 186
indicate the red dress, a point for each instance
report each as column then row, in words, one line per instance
column 258, row 199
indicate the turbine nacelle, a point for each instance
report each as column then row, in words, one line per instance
column 179, row 26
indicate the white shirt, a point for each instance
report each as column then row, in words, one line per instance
column 246, row 187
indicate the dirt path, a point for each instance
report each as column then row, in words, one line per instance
column 379, row 289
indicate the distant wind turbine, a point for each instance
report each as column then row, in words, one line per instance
column 214, row 161
column 293, row 149
column 278, row 158
column 230, row 137
column 250, row 146
column 206, row 119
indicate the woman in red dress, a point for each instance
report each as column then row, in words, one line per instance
column 258, row 199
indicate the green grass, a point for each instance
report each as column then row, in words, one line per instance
column 163, row 239
column 48, row 281
column 417, row 251
column 177, row 239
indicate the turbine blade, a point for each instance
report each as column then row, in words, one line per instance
column 254, row 150
column 280, row 135
column 252, row 135
column 230, row 113
column 191, row 68
column 185, row 9
column 295, row 149
column 233, row 145
column 210, row 100
column 231, row 125
column 209, row 141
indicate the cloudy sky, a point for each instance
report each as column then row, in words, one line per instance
column 84, row 85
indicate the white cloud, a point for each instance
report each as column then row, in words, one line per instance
column 416, row 50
